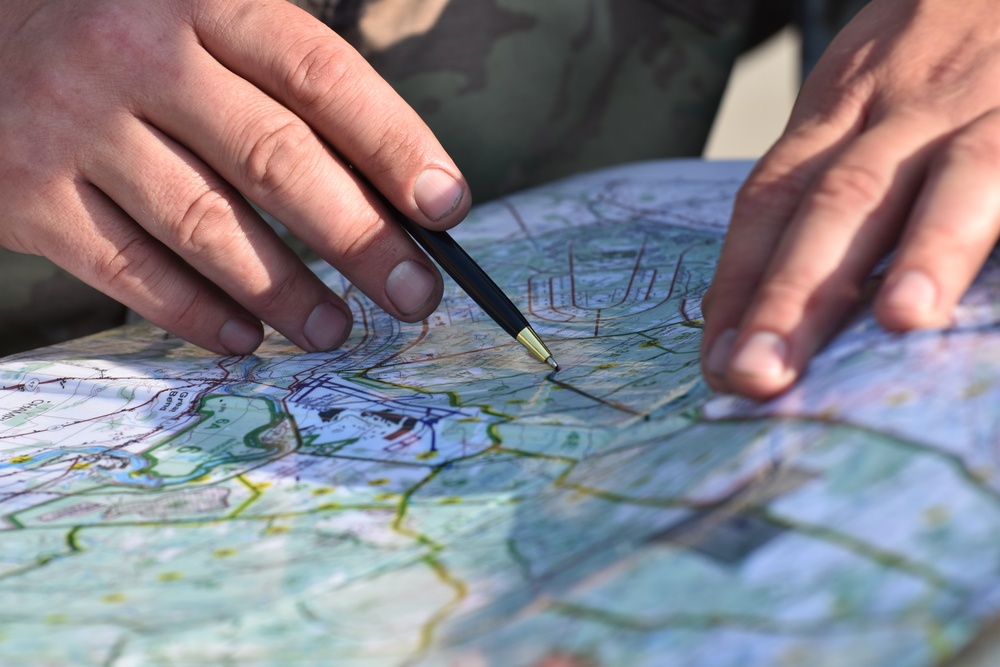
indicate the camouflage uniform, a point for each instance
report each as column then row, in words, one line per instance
column 518, row 91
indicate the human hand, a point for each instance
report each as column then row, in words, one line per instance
column 128, row 130
column 893, row 142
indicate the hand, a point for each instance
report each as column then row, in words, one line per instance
column 129, row 130
column 894, row 142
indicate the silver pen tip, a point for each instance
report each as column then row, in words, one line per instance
column 552, row 362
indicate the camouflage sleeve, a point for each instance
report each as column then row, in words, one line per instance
column 521, row 92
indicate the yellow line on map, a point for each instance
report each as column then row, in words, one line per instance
column 429, row 628
column 255, row 493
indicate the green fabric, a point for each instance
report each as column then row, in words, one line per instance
column 521, row 92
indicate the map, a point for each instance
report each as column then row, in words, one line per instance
column 432, row 496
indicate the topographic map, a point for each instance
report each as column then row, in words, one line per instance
column 430, row 495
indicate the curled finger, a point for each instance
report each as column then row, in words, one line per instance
column 190, row 210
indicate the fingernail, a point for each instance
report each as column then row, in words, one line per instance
column 722, row 349
column 326, row 327
column 437, row 193
column 240, row 336
column 410, row 286
column 763, row 355
column 912, row 291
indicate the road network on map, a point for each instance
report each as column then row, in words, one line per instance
column 432, row 495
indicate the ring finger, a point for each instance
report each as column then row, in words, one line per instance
column 185, row 205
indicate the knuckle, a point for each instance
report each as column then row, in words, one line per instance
column 120, row 268
column 786, row 299
column 769, row 193
column 980, row 150
column 130, row 266
column 320, row 73
column 850, row 188
column 133, row 269
column 735, row 282
column 393, row 148
column 787, row 290
column 53, row 88
column 277, row 294
column 949, row 241
column 273, row 157
column 204, row 224
column 802, row 296
column 187, row 310
column 848, row 98
column 366, row 239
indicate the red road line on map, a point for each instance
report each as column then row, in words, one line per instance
column 564, row 385
column 572, row 278
column 537, row 314
column 687, row 318
column 677, row 272
column 652, row 281
column 211, row 386
column 517, row 218
column 531, row 301
column 424, row 329
column 364, row 323
column 628, row 289
column 581, row 392
column 635, row 270
column 43, row 485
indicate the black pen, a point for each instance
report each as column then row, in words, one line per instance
column 477, row 284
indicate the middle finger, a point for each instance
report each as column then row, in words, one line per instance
column 185, row 205
column 279, row 163
column 846, row 222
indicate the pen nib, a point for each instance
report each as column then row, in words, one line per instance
column 530, row 340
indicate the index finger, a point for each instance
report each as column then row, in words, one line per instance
column 762, row 213
column 326, row 82
column 845, row 223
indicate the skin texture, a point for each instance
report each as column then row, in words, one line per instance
column 894, row 143
column 129, row 131
column 519, row 91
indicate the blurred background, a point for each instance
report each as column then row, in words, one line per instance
column 758, row 99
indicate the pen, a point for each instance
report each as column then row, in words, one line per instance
column 477, row 284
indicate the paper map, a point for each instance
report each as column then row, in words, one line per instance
column 430, row 495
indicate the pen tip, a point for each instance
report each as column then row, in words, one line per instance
column 552, row 362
